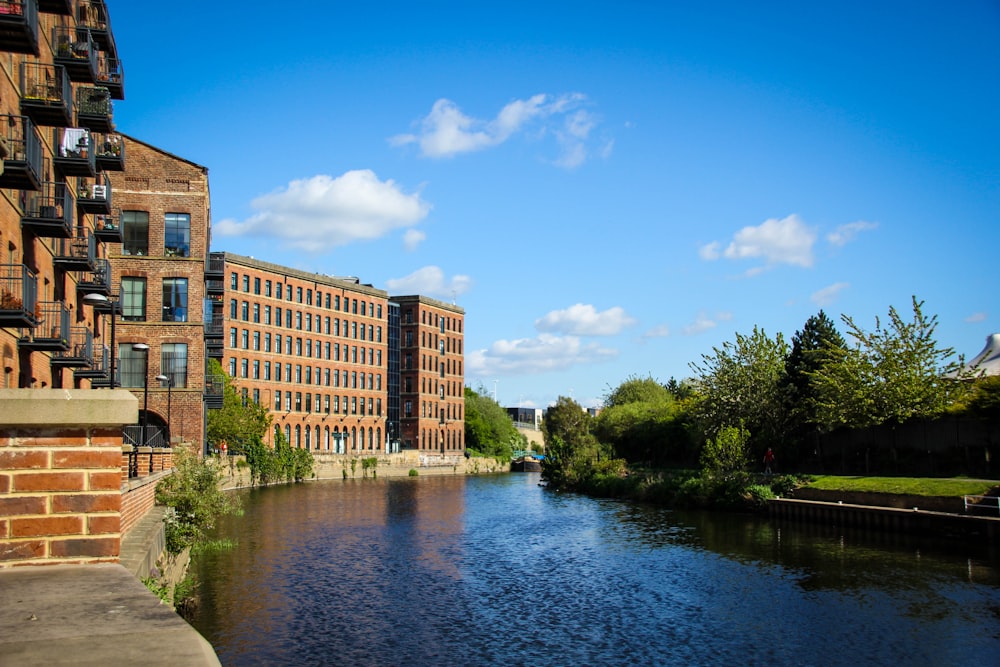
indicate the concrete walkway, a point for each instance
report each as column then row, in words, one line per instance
column 91, row 615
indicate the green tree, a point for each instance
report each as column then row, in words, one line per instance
column 642, row 422
column 194, row 499
column 238, row 423
column 727, row 455
column 570, row 447
column 488, row 429
column 812, row 348
column 739, row 383
column 892, row 374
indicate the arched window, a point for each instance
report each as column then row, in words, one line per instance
column 288, row 434
column 298, row 436
column 308, row 437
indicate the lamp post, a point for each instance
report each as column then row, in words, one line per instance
column 142, row 347
column 101, row 302
column 170, row 383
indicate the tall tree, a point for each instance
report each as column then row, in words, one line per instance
column 889, row 375
column 488, row 429
column 812, row 348
column 641, row 421
column 739, row 384
column 570, row 447
column 238, row 422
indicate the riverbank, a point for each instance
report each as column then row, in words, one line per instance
column 236, row 474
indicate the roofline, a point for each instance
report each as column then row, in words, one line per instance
column 444, row 305
column 164, row 152
column 319, row 278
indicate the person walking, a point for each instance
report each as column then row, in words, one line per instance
column 768, row 460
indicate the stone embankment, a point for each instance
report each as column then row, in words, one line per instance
column 348, row 466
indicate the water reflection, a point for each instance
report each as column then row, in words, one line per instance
column 494, row 570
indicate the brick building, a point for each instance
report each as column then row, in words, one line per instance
column 158, row 270
column 313, row 348
column 59, row 73
column 432, row 387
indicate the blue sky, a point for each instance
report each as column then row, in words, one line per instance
column 607, row 188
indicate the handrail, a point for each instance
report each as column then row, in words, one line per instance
column 983, row 502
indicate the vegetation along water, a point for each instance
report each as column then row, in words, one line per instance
column 497, row 570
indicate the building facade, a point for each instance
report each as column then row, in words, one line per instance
column 312, row 348
column 162, row 207
column 61, row 164
column 432, row 372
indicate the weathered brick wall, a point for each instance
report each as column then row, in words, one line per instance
column 60, row 475
column 138, row 497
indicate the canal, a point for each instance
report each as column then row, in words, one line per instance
column 496, row 570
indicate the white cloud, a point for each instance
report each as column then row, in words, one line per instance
column 829, row 294
column 412, row 238
column 321, row 213
column 429, row 281
column 534, row 355
column 785, row 241
column 584, row 320
column 659, row 331
column 446, row 131
column 703, row 322
column 844, row 234
column 976, row 317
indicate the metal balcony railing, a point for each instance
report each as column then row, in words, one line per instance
column 216, row 264
column 74, row 49
column 46, row 94
column 22, row 167
column 81, row 350
column 110, row 150
column 153, row 437
column 62, row 7
column 93, row 108
column 48, row 213
column 213, row 392
column 78, row 253
column 96, row 281
column 74, row 152
column 51, row 331
column 94, row 196
column 19, row 26
column 18, row 296
column 111, row 75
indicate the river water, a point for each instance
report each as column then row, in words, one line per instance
column 496, row 570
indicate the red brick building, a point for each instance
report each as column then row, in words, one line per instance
column 61, row 159
column 158, row 270
column 432, row 386
column 312, row 348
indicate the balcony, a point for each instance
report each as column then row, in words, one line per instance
column 93, row 109
column 46, row 95
column 81, row 350
column 63, row 7
column 215, row 286
column 107, row 227
column 74, row 49
column 19, row 26
column 74, row 155
column 93, row 197
column 49, row 213
column 75, row 254
column 93, row 14
column 51, row 333
column 97, row 372
column 216, row 265
column 212, row 395
column 96, row 281
column 22, row 167
column 110, row 149
column 111, row 75
column 18, row 296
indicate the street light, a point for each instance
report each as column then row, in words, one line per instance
column 170, row 383
column 100, row 304
column 142, row 347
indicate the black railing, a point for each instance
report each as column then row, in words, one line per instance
column 23, row 164
column 18, row 296
column 49, row 213
column 46, row 94
column 93, row 108
column 81, row 350
column 75, row 50
column 96, row 281
column 19, row 24
column 153, row 437
column 52, row 329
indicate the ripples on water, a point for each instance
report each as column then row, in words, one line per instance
column 497, row 571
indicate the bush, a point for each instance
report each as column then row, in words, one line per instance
column 783, row 485
column 268, row 466
column 413, row 472
column 193, row 498
column 759, row 494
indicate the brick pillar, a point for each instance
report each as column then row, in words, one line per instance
column 60, row 474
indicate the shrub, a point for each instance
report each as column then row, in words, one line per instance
column 413, row 472
column 193, row 498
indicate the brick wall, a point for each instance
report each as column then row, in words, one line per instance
column 60, row 475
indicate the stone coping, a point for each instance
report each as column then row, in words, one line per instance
column 55, row 408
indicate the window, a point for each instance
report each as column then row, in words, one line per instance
column 256, row 371
column 267, row 315
column 173, row 363
column 244, row 367
column 267, row 288
column 232, row 309
column 278, row 290
column 232, row 337
column 233, row 280
column 256, row 285
column 245, row 311
column 277, row 400
column 177, row 234
column 246, row 283
column 175, row 300
column 245, row 339
column 256, row 313
column 256, row 341
column 135, row 233
column 267, row 370
column 267, row 342
column 298, row 292
column 133, row 299
column 131, row 364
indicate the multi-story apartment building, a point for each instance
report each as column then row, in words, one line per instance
column 59, row 72
column 162, row 206
column 314, row 349
column 431, row 357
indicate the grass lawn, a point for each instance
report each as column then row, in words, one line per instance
column 913, row 486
